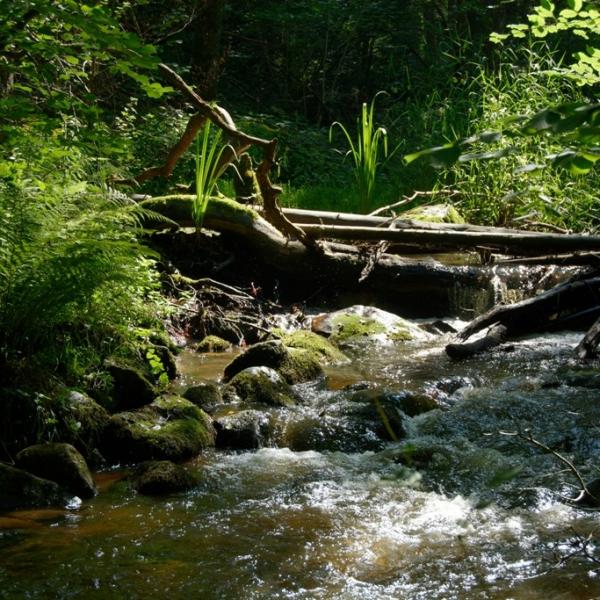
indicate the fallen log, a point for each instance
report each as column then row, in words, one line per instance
column 414, row 287
column 495, row 336
column 525, row 243
column 573, row 304
column 588, row 347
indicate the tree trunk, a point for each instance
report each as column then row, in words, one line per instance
column 207, row 51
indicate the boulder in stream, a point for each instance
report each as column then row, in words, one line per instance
column 157, row 478
column 205, row 395
column 85, row 421
column 61, row 463
column 409, row 403
column 171, row 428
column 19, row 489
column 261, row 385
column 320, row 347
column 346, row 425
column 244, row 430
column 213, row 343
column 295, row 365
column 359, row 324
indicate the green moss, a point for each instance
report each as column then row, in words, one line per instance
column 213, row 343
column 312, row 342
column 435, row 213
column 400, row 335
column 170, row 428
column 301, row 365
column 262, row 385
column 178, row 208
column 351, row 326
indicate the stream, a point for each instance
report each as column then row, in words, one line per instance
column 459, row 509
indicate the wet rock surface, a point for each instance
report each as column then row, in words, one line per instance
column 158, row 478
column 261, row 385
column 359, row 324
column 205, row 395
column 61, row 463
column 170, row 428
column 244, row 430
column 19, row 488
column 295, row 365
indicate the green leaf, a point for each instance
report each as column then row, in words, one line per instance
column 440, row 157
column 575, row 5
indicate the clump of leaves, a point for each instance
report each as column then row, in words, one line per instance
column 209, row 151
column 365, row 151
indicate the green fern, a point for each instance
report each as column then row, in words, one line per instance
column 71, row 267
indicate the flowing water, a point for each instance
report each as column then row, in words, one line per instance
column 459, row 509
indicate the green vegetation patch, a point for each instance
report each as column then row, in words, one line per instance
column 312, row 342
column 213, row 343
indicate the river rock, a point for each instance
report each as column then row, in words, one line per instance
column 320, row 347
column 409, row 403
column 18, row 488
column 85, row 421
column 131, row 389
column 359, row 324
column 294, row 364
column 213, row 343
column 261, row 385
column 61, row 463
column 205, row 395
column 156, row 478
column 244, row 430
column 346, row 426
column 171, row 428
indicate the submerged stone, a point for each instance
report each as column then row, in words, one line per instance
column 61, row 463
column 156, row 478
column 261, row 385
column 360, row 324
column 171, row 428
column 18, row 488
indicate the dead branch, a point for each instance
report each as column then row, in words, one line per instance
column 241, row 142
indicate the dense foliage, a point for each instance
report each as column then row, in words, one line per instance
column 82, row 105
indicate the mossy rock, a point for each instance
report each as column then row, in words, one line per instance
column 84, row 421
column 435, row 213
column 205, row 395
column 409, row 403
column 261, row 385
column 171, row 428
column 61, row 463
column 213, row 343
column 244, row 430
column 157, row 478
column 20, row 489
column 366, row 324
column 346, row 427
column 131, row 388
column 294, row 364
column 317, row 344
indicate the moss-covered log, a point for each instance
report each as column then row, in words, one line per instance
column 416, row 287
